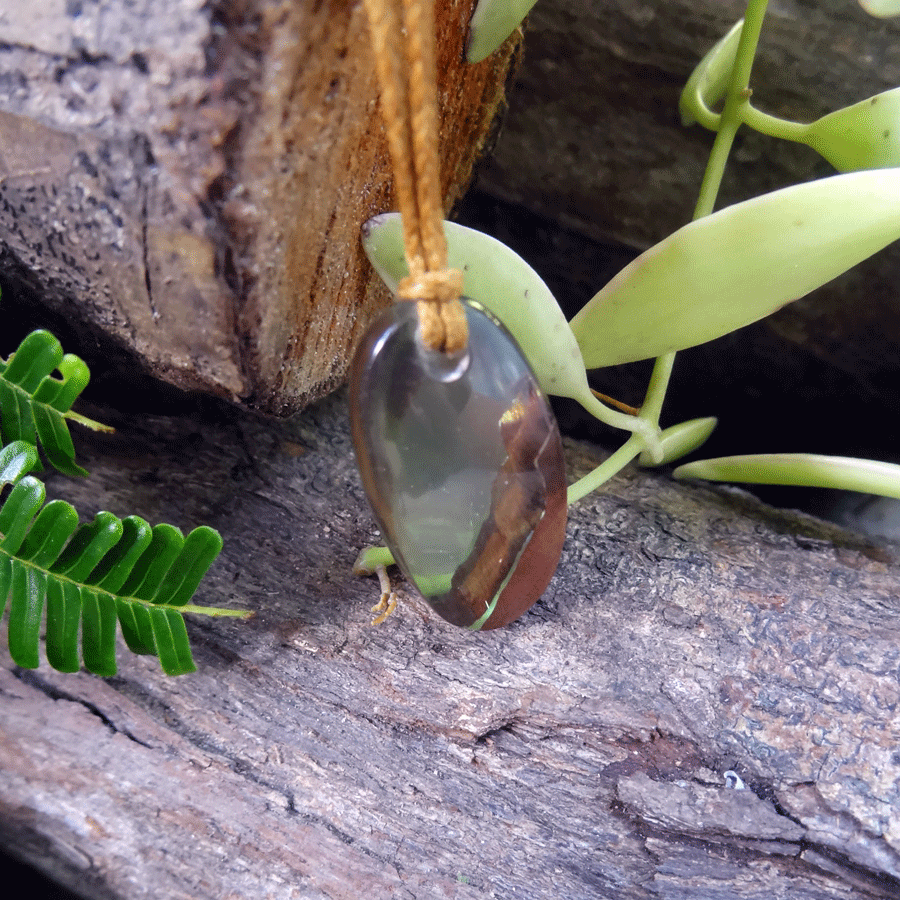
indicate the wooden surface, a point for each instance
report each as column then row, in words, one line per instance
column 187, row 180
column 693, row 642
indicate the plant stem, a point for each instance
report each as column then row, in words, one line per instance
column 773, row 126
column 607, row 469
column 656, row 390
column 645, row 429
column 88, row 423
column 737, row 101
column 639, row 426
column 737, row 98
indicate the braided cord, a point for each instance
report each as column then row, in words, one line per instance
column 403, row 41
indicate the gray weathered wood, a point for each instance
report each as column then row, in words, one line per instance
column 581, row 753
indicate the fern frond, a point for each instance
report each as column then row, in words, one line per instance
column 34, row 403
column 93, row 575
column 16, row 459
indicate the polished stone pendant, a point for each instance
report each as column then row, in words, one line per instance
column 462, row 462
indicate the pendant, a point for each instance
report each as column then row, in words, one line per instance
column 462, row 462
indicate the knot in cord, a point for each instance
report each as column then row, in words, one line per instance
column 442, row 318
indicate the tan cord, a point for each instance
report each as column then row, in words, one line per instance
column 403, row 41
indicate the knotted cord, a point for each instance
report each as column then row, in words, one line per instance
column 403, row 41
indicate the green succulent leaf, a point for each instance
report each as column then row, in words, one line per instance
column 863, row 136
column 881, row 9
column 34, row 402
column 736, row 266
column 16, row 459
column 91, row 576
column 499, row 279
column 709, row 81
column 681, row 439
column 492, row 23
column 867, row 476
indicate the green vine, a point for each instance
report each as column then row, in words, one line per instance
column 83, row 578
column 722, row 271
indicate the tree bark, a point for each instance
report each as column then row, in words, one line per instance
column 704, row 703
column 188, row 179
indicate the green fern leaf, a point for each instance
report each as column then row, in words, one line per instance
column 33, row 402
column 16, row 459
column 63, row 619
column 89, row 577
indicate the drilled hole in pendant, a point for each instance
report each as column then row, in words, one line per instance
column 439, row 366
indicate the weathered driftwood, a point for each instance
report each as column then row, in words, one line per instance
column 703, row 704
column 593, row 141
column 189, row 179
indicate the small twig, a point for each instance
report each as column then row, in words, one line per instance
column 388, row 601
column 617, row 404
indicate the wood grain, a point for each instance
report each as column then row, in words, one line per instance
column 188, row 180
column 590, row 750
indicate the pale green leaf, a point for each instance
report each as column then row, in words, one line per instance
column 738, row 265
column 863, row 136
column 882, row 9
column 800, row 469
column 709, row 81
column 492, row 23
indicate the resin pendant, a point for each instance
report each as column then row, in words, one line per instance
column 462, row 463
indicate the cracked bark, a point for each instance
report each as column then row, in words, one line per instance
column 694, row 642
column 187, row 180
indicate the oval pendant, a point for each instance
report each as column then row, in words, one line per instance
column 462, row 462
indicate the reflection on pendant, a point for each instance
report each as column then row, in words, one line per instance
column 462, row 463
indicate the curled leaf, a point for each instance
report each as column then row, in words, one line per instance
column 708, row 82
column 736, row 266
column 801, row 470
column 492, row 23
column 681, row 439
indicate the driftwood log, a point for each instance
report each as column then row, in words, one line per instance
column 703, row 704
column 188, row 179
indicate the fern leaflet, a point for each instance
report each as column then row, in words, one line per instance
column 34, row 403
column 94, row 575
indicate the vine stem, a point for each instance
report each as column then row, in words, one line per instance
column 737, row 99
column 607, row 469
column 773, row 126
column 737, row 103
